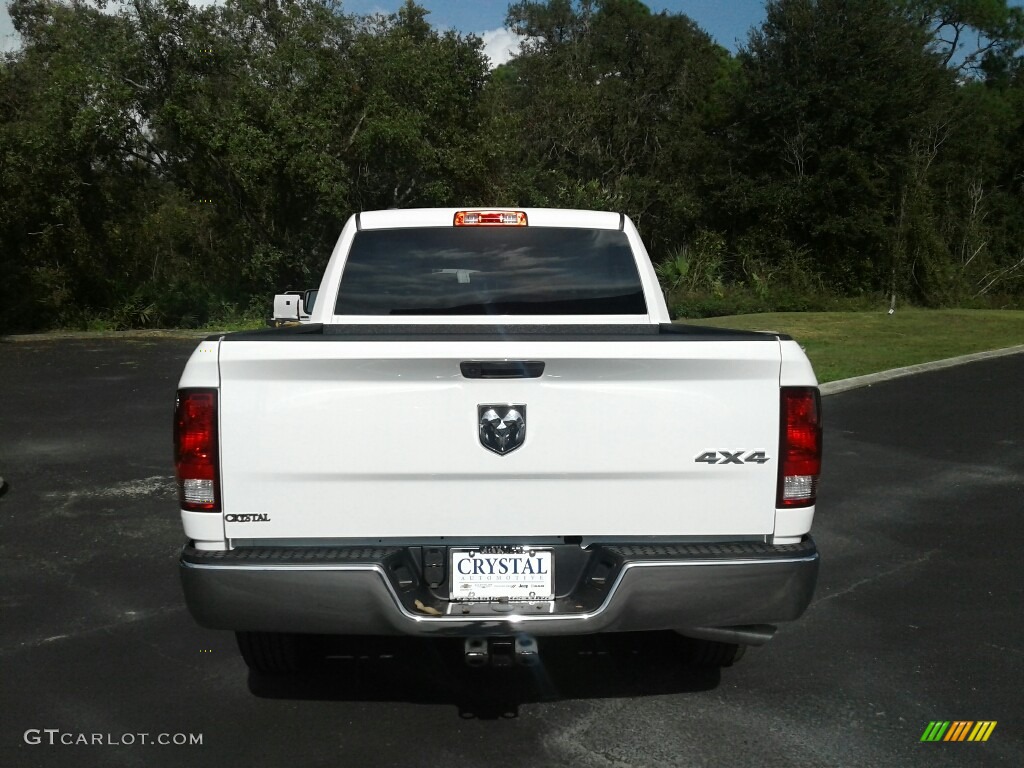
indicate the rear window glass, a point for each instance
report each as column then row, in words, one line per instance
column 490, row 271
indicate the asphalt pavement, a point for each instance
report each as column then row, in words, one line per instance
column 918, row 616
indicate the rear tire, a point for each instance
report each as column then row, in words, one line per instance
column 274, row 652
column 711, row 653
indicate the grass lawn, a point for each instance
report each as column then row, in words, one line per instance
column 845, row 344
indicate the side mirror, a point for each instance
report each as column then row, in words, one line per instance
column 286, row 306
column 308, row 300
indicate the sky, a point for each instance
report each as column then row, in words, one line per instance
column 727, row 21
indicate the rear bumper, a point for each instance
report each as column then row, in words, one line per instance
column 375, row 591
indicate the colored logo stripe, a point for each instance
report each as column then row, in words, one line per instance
column 958, row 730
column 935, row 731
column 982, row 730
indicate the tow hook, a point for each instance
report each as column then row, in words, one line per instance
column 501, row 651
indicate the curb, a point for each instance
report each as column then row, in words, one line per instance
column 844, row 385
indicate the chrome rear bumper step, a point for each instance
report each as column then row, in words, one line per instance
column 721, row 591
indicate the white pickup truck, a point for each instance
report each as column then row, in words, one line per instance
column 490, row 430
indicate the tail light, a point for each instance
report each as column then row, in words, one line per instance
column 799, row 447
column 195, row 449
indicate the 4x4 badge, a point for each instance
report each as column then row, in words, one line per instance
column 502, row 427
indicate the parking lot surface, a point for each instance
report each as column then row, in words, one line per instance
column 918, row 616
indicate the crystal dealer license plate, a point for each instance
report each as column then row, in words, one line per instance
column 496, row 573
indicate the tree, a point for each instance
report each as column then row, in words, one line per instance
column 980, row 188
column 174, row 163
column 69, row 170
column 607, row 106
column 417, row 98
column 842, row 113
column 966, row 33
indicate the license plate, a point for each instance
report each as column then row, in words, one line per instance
column 496, row 573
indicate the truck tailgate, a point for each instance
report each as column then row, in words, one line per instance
column 370, row 440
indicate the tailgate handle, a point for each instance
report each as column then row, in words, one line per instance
column 506, row 369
